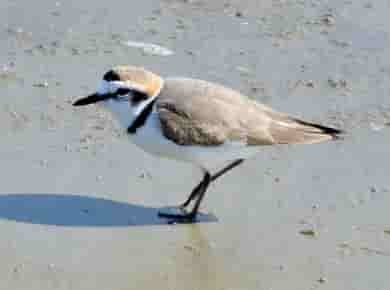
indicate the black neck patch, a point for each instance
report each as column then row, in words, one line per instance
column 141, row 119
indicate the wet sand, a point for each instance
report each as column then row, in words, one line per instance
column 78, row 204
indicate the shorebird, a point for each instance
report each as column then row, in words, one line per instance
column 196, row 121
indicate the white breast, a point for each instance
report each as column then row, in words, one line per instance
column 151, row 139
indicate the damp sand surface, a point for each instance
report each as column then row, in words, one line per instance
column 78, row 204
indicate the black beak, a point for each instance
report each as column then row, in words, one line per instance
column 94, row 98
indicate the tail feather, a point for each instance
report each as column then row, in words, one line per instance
column 296, row 131
column 333, row 132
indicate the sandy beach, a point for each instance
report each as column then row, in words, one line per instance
column 78, row 203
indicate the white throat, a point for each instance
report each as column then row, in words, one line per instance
column 124, row 111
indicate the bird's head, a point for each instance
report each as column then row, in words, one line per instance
column 125, row 91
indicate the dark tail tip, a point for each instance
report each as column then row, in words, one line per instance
column 335, row 133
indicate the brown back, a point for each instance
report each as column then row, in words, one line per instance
column 196, row 112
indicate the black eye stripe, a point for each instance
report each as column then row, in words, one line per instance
column 135, row 96
column 123, row 91
column 138, row 97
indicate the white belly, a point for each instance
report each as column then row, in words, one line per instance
column 150, row 138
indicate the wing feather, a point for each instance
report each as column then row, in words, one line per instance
column 196, row 112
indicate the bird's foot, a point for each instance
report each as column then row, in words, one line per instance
column 177, row 214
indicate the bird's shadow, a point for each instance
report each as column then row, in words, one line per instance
column 80, row 211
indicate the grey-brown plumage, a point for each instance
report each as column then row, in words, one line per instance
column 197, row 112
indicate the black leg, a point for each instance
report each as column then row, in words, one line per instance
column 180, row 212
column 226, row 169
column 205, row 184
column 199, row 191
column 193, row 194
column 195, row 191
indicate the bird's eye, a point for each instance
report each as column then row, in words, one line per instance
column 121, row 94
column 138, row 97
column 122, row 91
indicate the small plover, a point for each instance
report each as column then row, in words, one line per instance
column 191, row 120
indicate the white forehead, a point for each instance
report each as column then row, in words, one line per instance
column 110, row 87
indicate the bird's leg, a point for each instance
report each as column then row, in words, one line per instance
column 226, row 169
column 193, row 194
column 180, row 212
column 205, row 184
column 199, row 191
column 195, row 191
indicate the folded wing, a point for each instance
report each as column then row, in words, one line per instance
column 196, row 112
